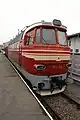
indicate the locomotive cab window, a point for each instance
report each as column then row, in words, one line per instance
column 48, row 36
column 62, row 38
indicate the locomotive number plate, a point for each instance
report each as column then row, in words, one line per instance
column 58, row 66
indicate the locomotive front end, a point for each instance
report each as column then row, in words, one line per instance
column 47, row 56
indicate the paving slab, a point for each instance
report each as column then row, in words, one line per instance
column 16, row 102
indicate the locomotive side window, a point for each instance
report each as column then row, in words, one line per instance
column 62, row 38
column 48, row 36
column 30, row 40
column 29, row 37
column 38, row 36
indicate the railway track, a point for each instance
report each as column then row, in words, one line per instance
column 63, row 106
column 49, row 109
column 72, row 100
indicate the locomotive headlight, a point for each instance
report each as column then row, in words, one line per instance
column 40, row 67
column 68, row 65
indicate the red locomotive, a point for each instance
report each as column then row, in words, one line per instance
column 41, row 53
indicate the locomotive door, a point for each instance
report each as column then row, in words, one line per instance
column 20, row 55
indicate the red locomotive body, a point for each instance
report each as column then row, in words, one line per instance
column 41, row 53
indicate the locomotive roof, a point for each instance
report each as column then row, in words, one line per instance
column 27, row 28
column 43, row 23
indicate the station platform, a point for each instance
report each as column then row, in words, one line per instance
column 16, row 102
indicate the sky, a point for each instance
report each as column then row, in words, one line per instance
column 16, row 14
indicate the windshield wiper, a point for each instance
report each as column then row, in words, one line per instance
column 44, row 40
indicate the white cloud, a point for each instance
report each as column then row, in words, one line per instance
column 15, row 14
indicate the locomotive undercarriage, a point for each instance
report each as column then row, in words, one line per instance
column 56, row 85
column 47, row 85
column 56, row 82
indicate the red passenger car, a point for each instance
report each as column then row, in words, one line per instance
column 41, row 53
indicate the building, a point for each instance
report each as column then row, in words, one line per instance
column 74, row 43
